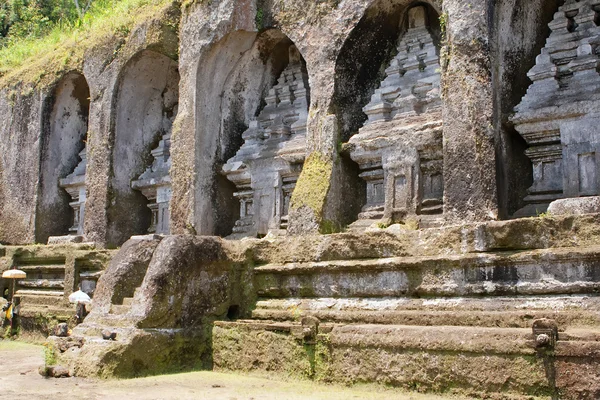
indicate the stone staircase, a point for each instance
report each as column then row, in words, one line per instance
column 502, row 310
column 125, row 307
column 450, row 323
column 45, row 280
column 53, row 273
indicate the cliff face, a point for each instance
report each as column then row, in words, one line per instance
column 229, row 54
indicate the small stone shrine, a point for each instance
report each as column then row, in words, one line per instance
column 267, row 166
column 560, row 114
column 155, row 185
column 399, row 148
column 74, row 184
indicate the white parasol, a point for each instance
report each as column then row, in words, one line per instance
column 80, row 297
column 14, row 274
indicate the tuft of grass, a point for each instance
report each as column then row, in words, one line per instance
column 49, row 354
column 28, row 60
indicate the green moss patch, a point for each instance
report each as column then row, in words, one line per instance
column 313, row 184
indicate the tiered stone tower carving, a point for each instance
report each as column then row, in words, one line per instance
column 399, row 149
column 267, row 166
column 560, row 114
column 155, row 184
column 74, row 184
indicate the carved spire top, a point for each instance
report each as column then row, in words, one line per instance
column 412, row 80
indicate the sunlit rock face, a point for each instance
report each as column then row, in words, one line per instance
column 74, row 184
column 558, row 117
column 267, row 166
column 399, row 148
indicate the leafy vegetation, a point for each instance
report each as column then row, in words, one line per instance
column 40, row 37
column 33, row 18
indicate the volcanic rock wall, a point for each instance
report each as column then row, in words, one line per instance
column 228, row 55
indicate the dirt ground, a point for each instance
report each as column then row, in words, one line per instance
column 19, row 379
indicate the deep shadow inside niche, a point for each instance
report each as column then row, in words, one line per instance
column 64, row 131
column 255, row 64
column 146, row 105
column 529, row 21
column 360, row 69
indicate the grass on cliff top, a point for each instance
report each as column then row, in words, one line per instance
column 29, row 59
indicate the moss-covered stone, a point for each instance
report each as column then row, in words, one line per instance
column 310, row 195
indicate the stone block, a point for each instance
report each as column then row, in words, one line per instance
column 575, row 206
column 65, row 239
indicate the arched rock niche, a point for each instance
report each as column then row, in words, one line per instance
column 520, row 32
column 402, row 178
column 147, row 99
column 232, row 83
column 65, row 132
column 366, row 54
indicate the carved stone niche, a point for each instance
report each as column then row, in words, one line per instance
column 267, row 166
column 399, row 148
column 155, row 185
column 74, row 184
column 560, row 114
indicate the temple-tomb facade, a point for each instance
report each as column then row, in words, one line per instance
column 399, row 149
column 268, row 164
column 557, row 117
column 398, row 192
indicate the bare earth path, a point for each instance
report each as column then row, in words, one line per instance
column 19, row 379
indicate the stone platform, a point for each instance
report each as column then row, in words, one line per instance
column 449, row 309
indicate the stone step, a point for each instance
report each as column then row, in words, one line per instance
column 42, row 283
column 501, row 319
column 93, row 332
column 537, row 272
column 28, row 293
column 127, row 301
column 568, row 311
column 110, row 320
column 118, row 309
column 32, row 268
column 474, row 360
column 57, row 312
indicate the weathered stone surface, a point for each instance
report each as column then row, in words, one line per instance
column 557, row 116
column 375, row 306
column 518, row 36
column 175, row 289
column 20, row 130
column 65, row 343
column 53, row 240
column 356, row 353
column 470, row 192
column 157, row 33
column 575, row 206
column 63, row 147
column 267, row 166
column 54, row 371
column 125, row 273
column 399, row 149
